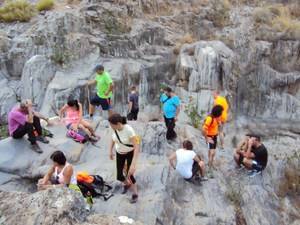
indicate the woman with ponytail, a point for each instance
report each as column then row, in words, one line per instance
column 125, row 142
column 73, row 118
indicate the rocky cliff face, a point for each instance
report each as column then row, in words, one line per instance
column 136, row 42
column 193, row 46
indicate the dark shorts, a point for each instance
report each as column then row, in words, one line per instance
column 256, row 166
column 105, row 103
column 214, row 145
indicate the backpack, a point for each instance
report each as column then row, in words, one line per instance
column 212, row 120
column 79, row 136
column 96, row 188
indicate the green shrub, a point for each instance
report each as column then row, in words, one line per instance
column 16, row 10
column 44, row 5
column 192, row 112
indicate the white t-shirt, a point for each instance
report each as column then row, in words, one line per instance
column 185, row 160
column 125, row 135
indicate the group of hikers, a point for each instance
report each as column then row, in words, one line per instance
column 124, row 144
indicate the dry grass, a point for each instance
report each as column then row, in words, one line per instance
column 279, row 18
column 186, row 39
column 44, row 5
column 220, row 13
column 17, row 10
column 290, row 183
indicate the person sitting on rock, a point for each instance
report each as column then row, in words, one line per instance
column 220, row 100
column 171, row 109
column 104, row 91
column 188, row 163
column 241, row 150
column 73, row 119
column 60, row 174
column 125, row 141
column 210, row 132
column 256, row 157
column 24, row 120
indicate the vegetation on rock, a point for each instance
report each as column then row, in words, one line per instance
column 44, row 5
column 17, row 10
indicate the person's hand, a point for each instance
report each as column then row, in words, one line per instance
column 111, row 156
column 74, row 127
column 251, row 142
column 131, row 170
column 210, row 140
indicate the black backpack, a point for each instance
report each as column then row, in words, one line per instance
column 98, row 188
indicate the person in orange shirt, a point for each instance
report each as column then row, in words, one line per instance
column 220, row 100
column 210, row 130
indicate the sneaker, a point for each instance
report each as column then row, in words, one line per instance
column 93, row 139
column 125, row 189
column 253, row 173
column 210, row 173
column 134, row 199
column 42, row 139
column 36, row 148
column 204, row 178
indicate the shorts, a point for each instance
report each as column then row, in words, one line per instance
column 214, row 145
column 256, row 166
column 104, row 102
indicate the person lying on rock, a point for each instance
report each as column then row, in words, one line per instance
column 125, row 141
column 60, row 174
column 241, row 150
column 256, row 157
column 210, row 132
column 104, row 86
column 73, row 119
column 23, row 120
column 220, row 100
column 187, row 163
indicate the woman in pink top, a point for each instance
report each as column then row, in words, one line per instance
column 73, row 118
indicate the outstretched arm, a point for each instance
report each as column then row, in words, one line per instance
column 172, row 159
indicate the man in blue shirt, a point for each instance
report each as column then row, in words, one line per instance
column 171, row 109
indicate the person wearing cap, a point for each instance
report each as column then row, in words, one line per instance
column 171, row 108
column 23, row 120
column 104, row 86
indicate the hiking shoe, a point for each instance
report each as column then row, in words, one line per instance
column 36, row 148
column 42, row 139
column 210, row 173
column 125, row 189
column 253, row 173
column 93, row 139
column 134, row 199
column 204, row 178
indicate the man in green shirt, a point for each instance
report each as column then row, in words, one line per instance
column 104, row 86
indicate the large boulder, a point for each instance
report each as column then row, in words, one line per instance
column 37, row 74
column 8, row 99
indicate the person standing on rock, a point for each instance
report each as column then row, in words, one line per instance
column 133, row 104
column 104, row 86
column 210, row 133
column 60, row 174
column 188, row 163
column 23, row 120
column 256, row 157
column 171, row 109
column 220, row 100
column 125, row 141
